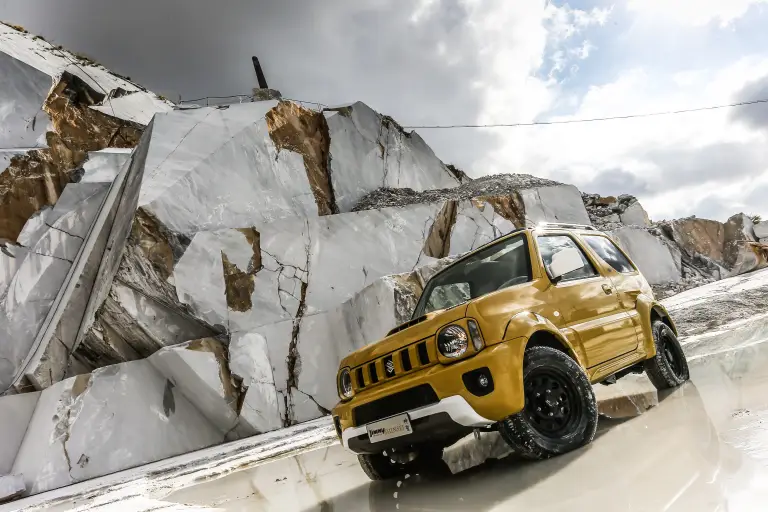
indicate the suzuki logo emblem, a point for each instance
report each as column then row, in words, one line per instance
column 390, row 367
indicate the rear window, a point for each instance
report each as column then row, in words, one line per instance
column 608, row 252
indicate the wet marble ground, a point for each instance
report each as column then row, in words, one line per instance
column 704, row 447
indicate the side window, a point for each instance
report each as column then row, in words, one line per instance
column 607, row 250
column 549, row 245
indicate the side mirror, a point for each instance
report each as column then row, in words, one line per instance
column 563, row 262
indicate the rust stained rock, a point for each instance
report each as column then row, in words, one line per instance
column 37, row 178
column 303, row 131
column 509, row 207
column 239, row 284
column 700, row 236
column 80, row 385
column 438, row 242
column 151, row 237
column 215, row 347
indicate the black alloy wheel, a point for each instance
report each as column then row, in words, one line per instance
column 551, row 402
column 669, row 367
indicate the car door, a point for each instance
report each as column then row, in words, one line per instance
column 627, row 279
column 589, row 305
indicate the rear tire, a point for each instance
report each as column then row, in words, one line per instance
column 669, row 367
column 381, row 466
column 560, row 412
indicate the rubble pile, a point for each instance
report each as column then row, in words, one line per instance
column 176, row 277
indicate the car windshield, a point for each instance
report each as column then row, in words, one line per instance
column 499, row 266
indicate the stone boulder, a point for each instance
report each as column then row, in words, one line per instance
column 116, row 418
column 200, row 371
column 761, row 231
column 654, row 258
column 608, row 213
column 740, row 253
column 15, row 415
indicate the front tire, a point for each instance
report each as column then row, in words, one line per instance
column 560, row 412
column 669, row 367
column 382, row 466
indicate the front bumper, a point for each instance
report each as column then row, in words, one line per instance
column 444, row 419
column 457, row 410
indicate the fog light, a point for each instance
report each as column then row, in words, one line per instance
column 483, row 381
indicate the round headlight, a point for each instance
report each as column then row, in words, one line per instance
column 452, row 341
column 345, row 384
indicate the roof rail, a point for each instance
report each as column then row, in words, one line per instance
column 566, row 225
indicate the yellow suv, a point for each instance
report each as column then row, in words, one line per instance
column 509, row 337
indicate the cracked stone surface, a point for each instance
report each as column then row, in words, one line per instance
column 141, row 417
column 370, row 151
column 200, row 371
column 15, row 413
column 37, row 178
column 23, row 90
column 11, row 486
column 250, row 362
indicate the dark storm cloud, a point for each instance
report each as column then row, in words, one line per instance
column 755, row 116
column 334, row 51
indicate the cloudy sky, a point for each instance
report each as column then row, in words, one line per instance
column 480, row 61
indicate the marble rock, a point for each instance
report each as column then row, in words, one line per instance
column 15, row 414
column 48, row 60
column 272, row 270
column 116, row 418
column 740, row 254
column 300, row 356
column 104, row 166
column 630, row 396
column 760, row 230
column 654, row 258
column 27, row 300
column 11, row 486
column 250, row 362
column 23, row 90
column 369, row 151
column 558, row 203
column 200, row 370
column 635, row 215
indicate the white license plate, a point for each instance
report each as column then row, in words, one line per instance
column 389, row 428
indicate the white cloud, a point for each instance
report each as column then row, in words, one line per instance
column 694, row 12
column 681, row 153
column 583, row 51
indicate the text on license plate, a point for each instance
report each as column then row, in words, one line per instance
column 389, row 428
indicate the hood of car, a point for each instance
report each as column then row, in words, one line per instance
column 404, row 335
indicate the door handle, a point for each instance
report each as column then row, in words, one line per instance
column 607, row 289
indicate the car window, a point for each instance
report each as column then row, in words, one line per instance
column 498, row 266
column 447, row 295
column 551, row 244
column 607, row 250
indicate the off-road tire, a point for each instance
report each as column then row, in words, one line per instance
column 668, row 368
column 380, row 467
column 525, row 431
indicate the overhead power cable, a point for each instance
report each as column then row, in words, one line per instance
column 588, row 120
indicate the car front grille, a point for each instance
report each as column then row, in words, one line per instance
column 395, row 364
column 396, row 403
